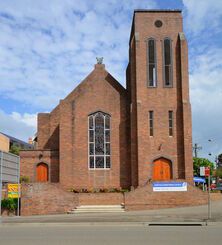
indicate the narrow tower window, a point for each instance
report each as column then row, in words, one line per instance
column 167, row 53
column 99, row 141
column 170, row 123
column 152, row 74
column 151, row 122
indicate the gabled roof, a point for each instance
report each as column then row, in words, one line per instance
column 13, row 139
column 99, row 68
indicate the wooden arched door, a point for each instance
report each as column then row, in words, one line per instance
column 42, row 172
column 162, row 169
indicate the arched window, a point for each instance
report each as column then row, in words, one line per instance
column 99, row 141
column 152, row 71
column 167, row 61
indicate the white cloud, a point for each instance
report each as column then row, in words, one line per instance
column 202, row 15
column 206, row 98
column 17, row 125
column 53, row 46
column 26, row 118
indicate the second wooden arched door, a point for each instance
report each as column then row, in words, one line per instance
column 162, row 169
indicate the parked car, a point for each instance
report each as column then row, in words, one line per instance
column 213, row 186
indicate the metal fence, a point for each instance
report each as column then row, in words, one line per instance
column 9, row 171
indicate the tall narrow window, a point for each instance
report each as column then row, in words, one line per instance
column 167, row 53
column 152, row 74
column 170, row 123
column 151, row 122
column 99, row 141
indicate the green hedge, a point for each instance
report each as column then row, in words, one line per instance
column 10, row 204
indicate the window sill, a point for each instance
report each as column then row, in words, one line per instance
column 93, row 169
column 170, row 86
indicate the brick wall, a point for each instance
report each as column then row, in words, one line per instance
column 101, row 198
column 98, row 92
column 46, row 198
column 29, row 159
column 144, row 198
column 43, row 129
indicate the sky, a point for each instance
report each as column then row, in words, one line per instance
column 46, row 50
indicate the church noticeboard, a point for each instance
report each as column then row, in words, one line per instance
column 13, row 190
column 169, row 186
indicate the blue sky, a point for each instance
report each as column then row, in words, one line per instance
column 47, row 49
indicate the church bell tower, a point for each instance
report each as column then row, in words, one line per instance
column 158, row 89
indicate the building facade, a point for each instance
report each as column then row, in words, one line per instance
column 103, row 135
column 4, row 143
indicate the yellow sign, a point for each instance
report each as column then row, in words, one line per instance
column 13, row 190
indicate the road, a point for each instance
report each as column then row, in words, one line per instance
column 63, row 234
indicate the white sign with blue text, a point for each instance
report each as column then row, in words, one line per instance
column 169, row 186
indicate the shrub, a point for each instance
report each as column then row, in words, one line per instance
column 24, row 179
column 99, row 190
column 10, row 204
column 124, row 190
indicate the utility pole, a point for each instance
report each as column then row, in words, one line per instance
column 196, row 148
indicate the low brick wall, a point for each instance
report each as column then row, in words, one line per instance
column 215, row 196
column 50, row 198
column 46, row 198
column 144, row 198
column 101, row 198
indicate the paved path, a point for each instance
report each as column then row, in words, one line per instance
column 188, row 214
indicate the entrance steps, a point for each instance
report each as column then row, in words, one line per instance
column 97, row 209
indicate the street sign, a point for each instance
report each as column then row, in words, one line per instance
column 13, row 190
column 207, row 171
column 202, row 171
column 169, row 186
column 199, row 180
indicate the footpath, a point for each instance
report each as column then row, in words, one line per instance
column 178, row 215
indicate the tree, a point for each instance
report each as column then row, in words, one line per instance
column 201, row 162
column 15, row 149
column 219, row 160
column 219, row 172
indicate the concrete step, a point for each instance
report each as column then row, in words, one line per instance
column 100, row 206
column 98, row 209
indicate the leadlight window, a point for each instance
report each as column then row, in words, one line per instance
column 151, row 122
column 152, row 73
column 170, row 123
column 99, row 141
column 167, row 59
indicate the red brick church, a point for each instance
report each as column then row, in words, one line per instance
column 103, row 135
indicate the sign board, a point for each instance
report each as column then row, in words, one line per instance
column 13, row 190
column 169, row 186
column 9, row 165
column 199, row 180
column 207, row 171
column 9, row 172
column 202, row 171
